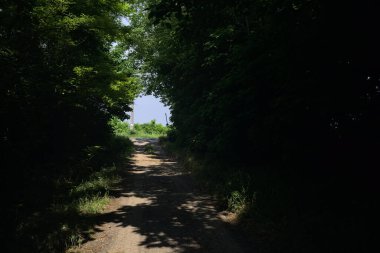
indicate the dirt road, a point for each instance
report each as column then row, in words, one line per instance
column 159, row 210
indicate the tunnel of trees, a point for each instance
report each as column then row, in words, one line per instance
column 279, row 100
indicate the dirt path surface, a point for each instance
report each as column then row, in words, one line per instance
column 159, row 210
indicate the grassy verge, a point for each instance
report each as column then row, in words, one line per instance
column 144, row 135
column 232, row 186
column 284, row 209
column 68, row 217
column 237, row 190
column 145, row 130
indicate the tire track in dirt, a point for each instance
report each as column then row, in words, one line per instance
column 159, row 210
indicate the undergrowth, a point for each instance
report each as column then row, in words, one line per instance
column 276, row 210
column 250, row 196
column 71, row 203
column 145, row 130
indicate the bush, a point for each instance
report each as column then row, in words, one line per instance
column 147, row 130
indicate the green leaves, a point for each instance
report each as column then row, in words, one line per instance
column 60, row 82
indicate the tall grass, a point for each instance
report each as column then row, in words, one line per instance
column 145, row 130
column 70, row 203
column 233, row 186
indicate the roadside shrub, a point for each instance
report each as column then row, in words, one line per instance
column 147, row 130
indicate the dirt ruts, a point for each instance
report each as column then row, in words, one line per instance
column 158, row 209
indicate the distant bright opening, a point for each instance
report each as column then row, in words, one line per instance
column 149, row 108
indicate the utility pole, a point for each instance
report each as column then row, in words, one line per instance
column 132, row 121
column 166, row 116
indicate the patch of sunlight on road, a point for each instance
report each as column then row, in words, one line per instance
column 136, row 201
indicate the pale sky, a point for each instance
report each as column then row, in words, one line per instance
column 148, row 108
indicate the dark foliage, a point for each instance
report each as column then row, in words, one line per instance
column 288, row 90
column 60, row 83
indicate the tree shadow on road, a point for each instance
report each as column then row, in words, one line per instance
column 165, row 211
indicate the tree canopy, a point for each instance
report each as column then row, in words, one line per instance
column 63, row 76
column 286, row 90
